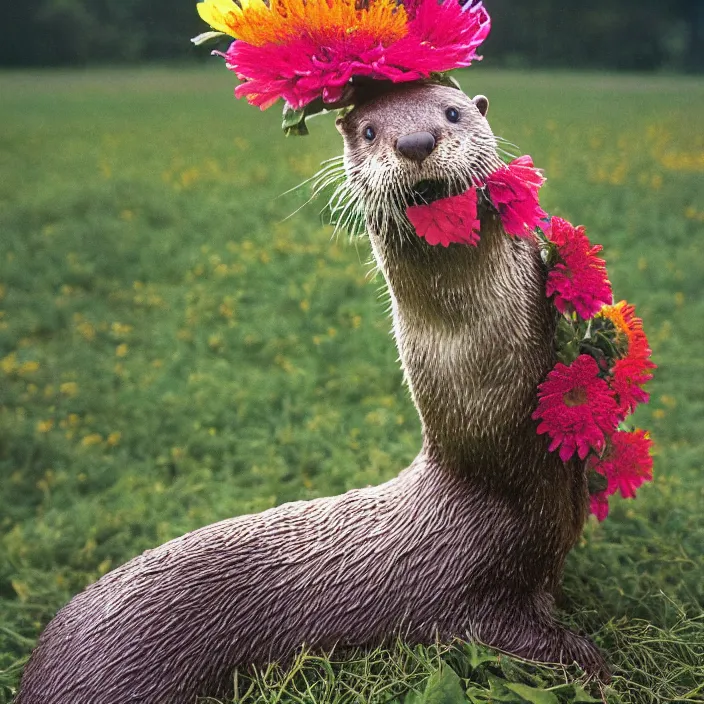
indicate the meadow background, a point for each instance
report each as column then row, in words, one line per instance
column 174, row 351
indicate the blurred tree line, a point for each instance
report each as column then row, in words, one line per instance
column 612, row 34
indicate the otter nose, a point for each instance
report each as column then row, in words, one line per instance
column 416, row 146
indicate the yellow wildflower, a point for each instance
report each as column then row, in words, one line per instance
column 92, row 439
column 9, row 364
column 69, row 388
column 27, row 368
column 120, row 330
column 258, row 23
column 44, row 426
column 114, row 439
column 86, row 330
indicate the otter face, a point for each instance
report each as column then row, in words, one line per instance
column 415, row 144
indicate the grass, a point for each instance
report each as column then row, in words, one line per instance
column 174, row 352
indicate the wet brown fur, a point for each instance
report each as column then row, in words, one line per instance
column 469, row 541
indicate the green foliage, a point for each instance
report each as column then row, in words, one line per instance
column 174, row 351
column 443, row 687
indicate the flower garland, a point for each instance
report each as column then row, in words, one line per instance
column 603, row 353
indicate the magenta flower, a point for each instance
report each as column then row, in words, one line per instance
column 320, row 61
column 632, row 372
column 441, row 36
column 576, row 408
column 626, row 464
column 579, row 280
column 599, row 505
column 447, row 220
column 513, row 190
column 629, row 376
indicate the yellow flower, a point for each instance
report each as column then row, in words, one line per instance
column 92, row 439
column 282, row 20
column 86, row 330
column 114, row 439
column 121, row 350
column 44, row 426
column 69, row 388
column 615, row 314
column 9, row 364
column 27, row 368
column 120, row 330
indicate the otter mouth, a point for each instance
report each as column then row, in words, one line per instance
column 428, row 191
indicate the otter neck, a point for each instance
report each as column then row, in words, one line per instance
column 475, row 336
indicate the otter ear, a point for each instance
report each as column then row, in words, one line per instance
column 482, row 103
column 340, row 124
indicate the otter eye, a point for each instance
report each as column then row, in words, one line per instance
column 452, row 114
column 369, row 133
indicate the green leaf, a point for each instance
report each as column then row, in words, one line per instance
column 413, row 697
column 477, row 695
column 533, row 695
column 294, row 122
column 581, row 695
column 515, row 671
column 498, row 691
column 568, row 353
column 478, row 656
column 548, row 253
column 445, row 79
column 596, row 482
column 444, row 687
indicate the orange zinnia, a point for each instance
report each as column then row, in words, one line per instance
column 258, row 24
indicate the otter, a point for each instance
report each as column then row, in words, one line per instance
column 469, row 541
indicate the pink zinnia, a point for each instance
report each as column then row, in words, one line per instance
column 513, row 190
column 626, row 464
column 576, row 407
column 628, row 377
column 599, row 505
column 632, row 372
column 438, row 38
column 579, row 280
column 447, row 220
column 442, row 36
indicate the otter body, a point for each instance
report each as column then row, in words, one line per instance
column 468, row 542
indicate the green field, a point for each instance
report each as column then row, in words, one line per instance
column 173, row 351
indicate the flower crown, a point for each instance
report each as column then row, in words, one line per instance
column 308, row 51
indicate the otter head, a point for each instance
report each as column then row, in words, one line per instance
column 412, row 144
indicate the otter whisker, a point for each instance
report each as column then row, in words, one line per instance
column 322, row 175
column 331, row 181
column 325, row 170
